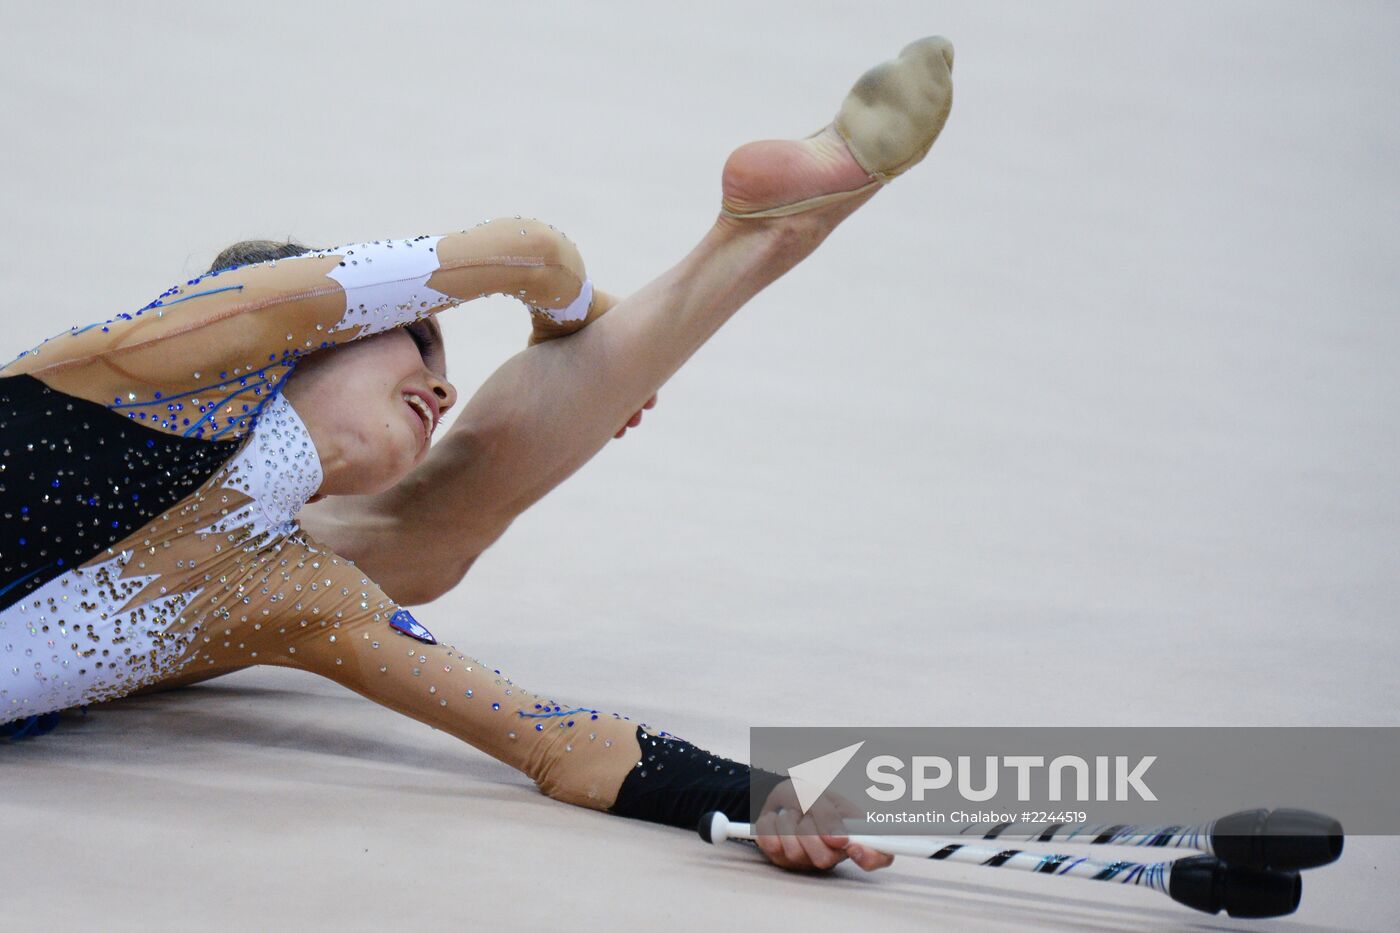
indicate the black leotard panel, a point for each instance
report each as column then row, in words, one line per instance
column 76, row 477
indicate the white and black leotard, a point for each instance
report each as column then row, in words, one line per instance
column 151, row 472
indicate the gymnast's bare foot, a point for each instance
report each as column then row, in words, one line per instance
column 774, row 172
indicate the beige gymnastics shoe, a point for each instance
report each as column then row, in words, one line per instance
column 888, row 121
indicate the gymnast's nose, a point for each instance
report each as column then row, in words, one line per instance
column 444, row 391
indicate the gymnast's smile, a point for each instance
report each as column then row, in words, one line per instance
column 371, row 405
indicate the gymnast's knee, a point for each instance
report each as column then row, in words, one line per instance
column 427, row 590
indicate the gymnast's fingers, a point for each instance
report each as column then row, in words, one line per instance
column 634, row 420
column 787, row 834
column 869, row 859
column 829, row 820
column 839, row 809
column 766, row 835
column 820, row 854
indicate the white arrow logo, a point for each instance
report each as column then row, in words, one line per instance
column 811, row 778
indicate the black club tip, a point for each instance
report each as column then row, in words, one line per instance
column 1284, row 839
column 1204, row 883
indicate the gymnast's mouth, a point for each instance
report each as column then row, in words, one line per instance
column 425, row 410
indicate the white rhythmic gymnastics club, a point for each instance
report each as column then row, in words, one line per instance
column 1201, row 882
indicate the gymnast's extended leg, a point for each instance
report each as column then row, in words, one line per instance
column 550, row 408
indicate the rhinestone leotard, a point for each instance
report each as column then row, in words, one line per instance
column 150, row 475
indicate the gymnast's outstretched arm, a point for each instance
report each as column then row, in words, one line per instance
column 313, row 611
column 202, row 358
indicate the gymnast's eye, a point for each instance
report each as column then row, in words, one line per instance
column 428, row 339
column 421, row 338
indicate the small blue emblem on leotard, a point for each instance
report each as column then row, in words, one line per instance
column 403, row 621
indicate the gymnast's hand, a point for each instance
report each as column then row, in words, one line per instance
column 797, row 842
column 637, row 418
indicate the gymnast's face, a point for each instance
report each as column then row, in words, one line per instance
column 371, row 406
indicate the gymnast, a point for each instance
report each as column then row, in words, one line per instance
column 242, row 472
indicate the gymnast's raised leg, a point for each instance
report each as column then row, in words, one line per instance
column 550, row 408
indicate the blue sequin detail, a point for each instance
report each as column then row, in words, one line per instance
column 556, row 712
column 34, row 573
column 404, row 622
column 159, row 303
column 257, row 380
